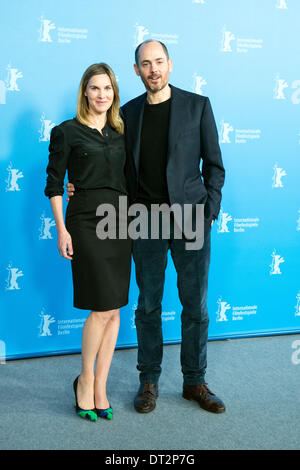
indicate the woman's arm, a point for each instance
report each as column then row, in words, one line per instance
column 64, row 240
column 56, row 170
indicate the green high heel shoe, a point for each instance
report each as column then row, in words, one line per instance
column 106, row 413
column 85, row 414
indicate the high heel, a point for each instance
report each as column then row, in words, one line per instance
column 106, row 413
column 86, row 414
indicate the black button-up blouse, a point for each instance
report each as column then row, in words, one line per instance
column 92, row 160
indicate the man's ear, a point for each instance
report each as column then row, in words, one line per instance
column 170, row 65
column 136, row 69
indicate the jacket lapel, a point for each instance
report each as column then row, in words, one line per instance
column 136, row 126
column 175, row 120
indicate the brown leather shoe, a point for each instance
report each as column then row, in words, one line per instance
column 206, row 399
column 145, row 401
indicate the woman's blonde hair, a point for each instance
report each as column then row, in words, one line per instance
column 113, row 116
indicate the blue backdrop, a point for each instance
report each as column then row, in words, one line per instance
column 245, row 57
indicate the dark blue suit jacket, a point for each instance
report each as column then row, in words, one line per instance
column 192, row 136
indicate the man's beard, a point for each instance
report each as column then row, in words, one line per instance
column 154, row 88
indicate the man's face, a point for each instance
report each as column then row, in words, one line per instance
column 153, row 66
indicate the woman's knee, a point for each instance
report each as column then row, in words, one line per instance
column 106, row 316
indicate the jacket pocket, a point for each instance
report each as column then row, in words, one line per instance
column 195, row 191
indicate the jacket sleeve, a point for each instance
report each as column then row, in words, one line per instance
column 213, row 171
column 59, row 152
column 130, row 172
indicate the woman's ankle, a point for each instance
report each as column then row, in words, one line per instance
column 87, row 379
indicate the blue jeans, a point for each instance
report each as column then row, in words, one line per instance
column 192, row 268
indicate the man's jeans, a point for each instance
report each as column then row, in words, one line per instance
column 192, row 268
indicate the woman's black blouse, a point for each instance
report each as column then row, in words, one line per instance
column 92, row 160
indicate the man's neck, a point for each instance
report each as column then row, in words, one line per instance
column 159, row 96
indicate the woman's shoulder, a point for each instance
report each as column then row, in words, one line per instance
column 64, row 132
column 68, row 128
column 68, row 124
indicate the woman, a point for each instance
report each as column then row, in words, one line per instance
column 92, row 148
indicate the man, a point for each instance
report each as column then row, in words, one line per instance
column 168, row 131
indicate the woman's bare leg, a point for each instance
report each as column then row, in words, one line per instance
column 92, row 336
column 104, row 358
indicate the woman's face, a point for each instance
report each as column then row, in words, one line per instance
column 100, row 94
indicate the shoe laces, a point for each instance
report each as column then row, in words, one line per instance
column 204, row 390
column 149, row 390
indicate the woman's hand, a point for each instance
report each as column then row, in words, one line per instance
column 64, row 244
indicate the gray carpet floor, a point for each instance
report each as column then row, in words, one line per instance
column 255, row 377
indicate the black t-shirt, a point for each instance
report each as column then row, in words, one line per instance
column 152, row 187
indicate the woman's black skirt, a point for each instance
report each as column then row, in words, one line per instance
column 100, row 267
